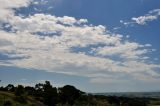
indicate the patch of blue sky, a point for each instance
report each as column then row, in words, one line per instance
column 14, row 75
column 48, row 33
column 38, row 6
column 87, row 50
column 8, row 57
column 145, row 34
column 4, row 57
column 6, row 27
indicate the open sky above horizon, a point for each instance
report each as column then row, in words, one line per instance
column 95, row 45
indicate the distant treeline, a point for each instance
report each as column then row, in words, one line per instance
column 68, row 96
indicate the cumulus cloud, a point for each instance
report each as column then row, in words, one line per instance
column 55, row 53
column 7, row 6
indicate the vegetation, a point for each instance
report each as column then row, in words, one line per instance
column 47, row 95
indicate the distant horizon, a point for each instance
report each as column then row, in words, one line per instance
column 114, row 92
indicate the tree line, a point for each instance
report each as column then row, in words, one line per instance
column 45, row 93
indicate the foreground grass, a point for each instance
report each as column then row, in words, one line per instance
column 8, row 98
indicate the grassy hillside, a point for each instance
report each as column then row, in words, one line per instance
column 9, row 98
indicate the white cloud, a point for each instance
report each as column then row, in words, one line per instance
column 6, row 8
column 40, row 2
column 142, row 20
column 54, row 53
column 155, row 11
column 124, row 50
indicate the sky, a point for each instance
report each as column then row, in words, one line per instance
column 95, row 45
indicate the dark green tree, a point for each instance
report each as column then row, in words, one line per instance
column 21, row 94
column 50, row 94
column 39, row 90
column 30, row 90
column 10, row 87
column 69, row 94
column 19, row 90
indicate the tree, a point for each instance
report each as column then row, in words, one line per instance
column 50, row 94
column 3, row 88
column 20, row 90
column 30, row 90
column 21, row 95
column 39, row 90
column 69, row 94
column 10, row 87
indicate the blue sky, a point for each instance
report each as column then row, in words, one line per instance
column 98, row 46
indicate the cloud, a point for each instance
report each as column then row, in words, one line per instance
column 142, row 20
column 7, row 6
column 40, row 2
column 127, row 50
column 54, row 52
